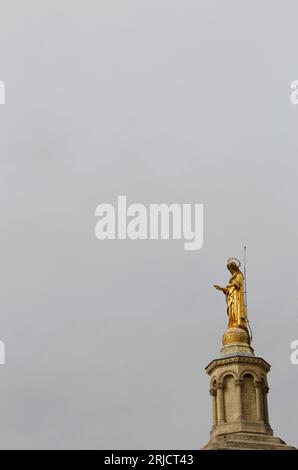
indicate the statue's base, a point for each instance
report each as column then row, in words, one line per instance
column 239, row 388
column 247, row 441
column 236, row 341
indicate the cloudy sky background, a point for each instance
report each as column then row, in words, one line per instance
column 163, row 101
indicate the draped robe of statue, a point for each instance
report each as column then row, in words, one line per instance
column 235, row 301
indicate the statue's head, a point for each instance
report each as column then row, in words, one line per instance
column 233, row 265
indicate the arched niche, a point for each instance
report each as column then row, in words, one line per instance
column 230, row 405
column 248, row 397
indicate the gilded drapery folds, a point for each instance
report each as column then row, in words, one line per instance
column 235, row 302
column 235, row 297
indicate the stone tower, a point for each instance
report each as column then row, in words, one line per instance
column 238, row 389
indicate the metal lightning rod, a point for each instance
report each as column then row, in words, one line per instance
column 245, row 293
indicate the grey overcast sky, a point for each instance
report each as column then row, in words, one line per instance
column 163, row 101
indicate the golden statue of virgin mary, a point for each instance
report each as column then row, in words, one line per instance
column 234, row 292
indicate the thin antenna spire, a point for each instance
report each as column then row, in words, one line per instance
column 245, row 292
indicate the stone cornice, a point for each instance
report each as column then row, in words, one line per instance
column 237, row 359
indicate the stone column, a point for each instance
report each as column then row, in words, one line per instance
column 238, row 383
column 220, row 404
column 258, row 385
column 266, row 414
column 214, row 407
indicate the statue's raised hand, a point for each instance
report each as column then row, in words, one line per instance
column 223, row 289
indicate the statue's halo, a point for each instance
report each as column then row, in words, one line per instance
column 234, row 261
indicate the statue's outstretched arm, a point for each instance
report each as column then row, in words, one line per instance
column 223, row 289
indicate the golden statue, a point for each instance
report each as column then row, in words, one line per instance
column 234, row 293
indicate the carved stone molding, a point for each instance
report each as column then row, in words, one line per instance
column 237, row 360
column 239, row 382
column 258, row 384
